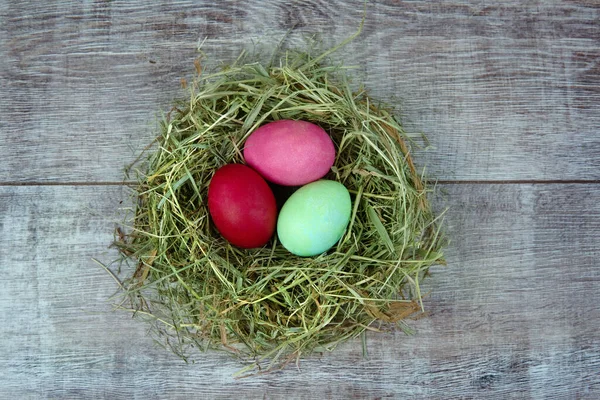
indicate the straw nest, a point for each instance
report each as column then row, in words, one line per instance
column 267, row 305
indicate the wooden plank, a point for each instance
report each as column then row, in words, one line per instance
column 506, row 90
column 514, row 315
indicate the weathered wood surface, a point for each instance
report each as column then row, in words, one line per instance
column 514, row 316
column 505, row 90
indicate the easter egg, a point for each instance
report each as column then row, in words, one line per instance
column 314, row 218
column 242, row 206
column 290, row 153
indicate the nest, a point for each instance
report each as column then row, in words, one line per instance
column 267, row 305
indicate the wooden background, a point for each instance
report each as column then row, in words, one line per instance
column 508, row 93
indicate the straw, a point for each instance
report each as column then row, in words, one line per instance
column 266, row 305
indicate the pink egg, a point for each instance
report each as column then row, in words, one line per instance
column 290, row 153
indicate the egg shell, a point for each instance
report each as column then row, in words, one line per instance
column 242, row 206
column 290, row 153
column 314, row 218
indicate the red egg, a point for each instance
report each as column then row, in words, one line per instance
column 242, row 206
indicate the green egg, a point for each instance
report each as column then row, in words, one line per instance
column 314, row 218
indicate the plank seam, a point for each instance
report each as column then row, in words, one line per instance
column 440, row 182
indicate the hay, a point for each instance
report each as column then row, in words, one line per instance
column 267, row 305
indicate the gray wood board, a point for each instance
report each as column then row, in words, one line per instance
column 514, row 315
column 504, row 90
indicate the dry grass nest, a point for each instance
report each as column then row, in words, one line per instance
column 267, row 305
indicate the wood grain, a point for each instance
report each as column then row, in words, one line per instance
column 515, row 315
column 504, row 90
